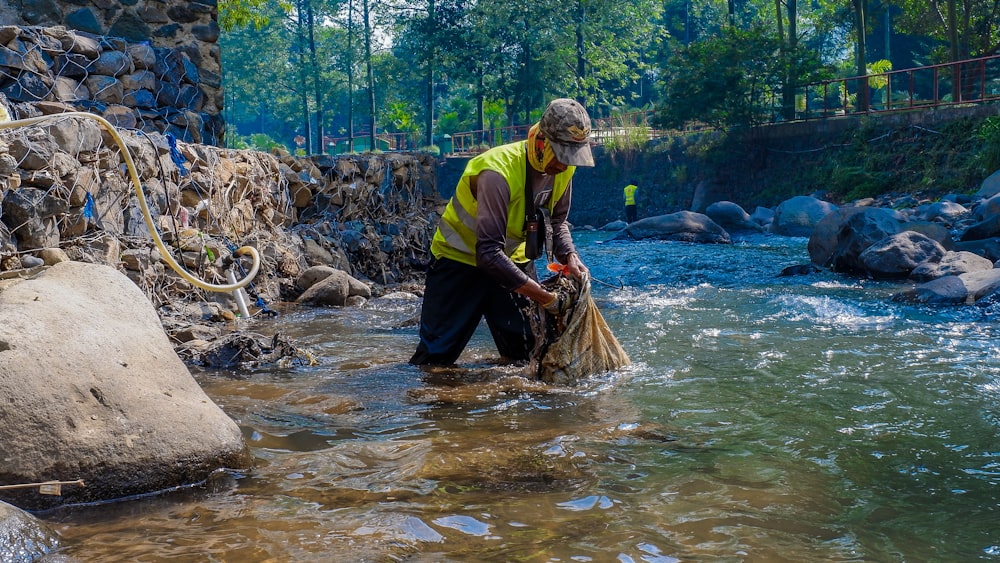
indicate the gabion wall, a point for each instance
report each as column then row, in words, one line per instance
column 149, row 64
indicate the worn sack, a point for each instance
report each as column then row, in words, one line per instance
column 577, row 343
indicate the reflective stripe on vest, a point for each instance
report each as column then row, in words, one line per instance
column 455, row 237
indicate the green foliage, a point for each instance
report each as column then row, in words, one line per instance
column 730, row 80
column 235, row 14
column 261, row 142
column 856, row 182
column 879, row 68
column 431, row 149
column 989, row 153
column 443, row 59
column 624, row 136
column 976, row 33
column 494, row 113
column 400, row 117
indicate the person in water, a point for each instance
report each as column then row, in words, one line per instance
column 479, row 266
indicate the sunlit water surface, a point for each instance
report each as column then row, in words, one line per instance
column 764, row 418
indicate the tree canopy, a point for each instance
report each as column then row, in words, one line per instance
column 326, row 71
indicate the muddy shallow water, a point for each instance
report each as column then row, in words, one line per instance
column 763, row 419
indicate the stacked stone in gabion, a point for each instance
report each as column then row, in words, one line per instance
column 132, row 85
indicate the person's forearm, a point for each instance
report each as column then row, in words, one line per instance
column 534, row 291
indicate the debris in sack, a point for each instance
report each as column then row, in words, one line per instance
column 578, row 342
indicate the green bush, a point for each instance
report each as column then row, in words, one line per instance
column 989, row 153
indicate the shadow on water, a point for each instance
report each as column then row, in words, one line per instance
column 763, row 419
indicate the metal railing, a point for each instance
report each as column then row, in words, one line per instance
column 946, row 84
column 384, row 142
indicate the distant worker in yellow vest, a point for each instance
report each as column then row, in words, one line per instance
column 631, row 213
column 479, row 266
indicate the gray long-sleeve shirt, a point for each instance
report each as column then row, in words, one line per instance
column 493, row 196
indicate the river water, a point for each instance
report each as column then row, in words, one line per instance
column 764, row 418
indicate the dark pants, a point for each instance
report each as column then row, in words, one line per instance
column 630, row 213
column 456, row 297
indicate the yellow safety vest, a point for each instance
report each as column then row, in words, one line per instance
column 630, row 194
column 455, row 237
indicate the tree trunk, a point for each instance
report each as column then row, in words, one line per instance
column 480, row 106
column 431, row 57
column 317, row 89
column 370, row 75
column 350, row 76
column 581, row 51
column 953, row 52
column 303, row 74
column 862, row 61
column 791, row 50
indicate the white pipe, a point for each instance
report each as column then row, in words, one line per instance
column 239, row 294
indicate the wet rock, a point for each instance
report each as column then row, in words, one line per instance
column 243, row 350
column 685, row 226
column 332, row 289
column 989, row 227
column 24, row 538
column 731, row 217
column 763, row 216
column 800, row 270
column 954, row 290
column 94, row 391
column 951, row 264
column 839, row 238
column 897, row 255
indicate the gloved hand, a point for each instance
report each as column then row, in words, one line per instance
column 558, row 306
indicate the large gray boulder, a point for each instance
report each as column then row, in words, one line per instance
column 858, row 233
column 825, row 236
column 988, row 228
column 797, row 216
column 93, row 390
column 954, row 290
column 987, row 248
column 947, row 212
column 895, row 256
column 951, row 264
column 990, row 187
column 841, row 236
column 733, row 218
column 685, row 226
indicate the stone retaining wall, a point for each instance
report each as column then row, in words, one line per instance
column 63, row 185
column 126, row 78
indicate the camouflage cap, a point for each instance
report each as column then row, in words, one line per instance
column 566, row 125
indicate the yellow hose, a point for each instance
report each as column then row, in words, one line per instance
column 130, row 164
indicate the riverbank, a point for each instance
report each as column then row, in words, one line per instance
column 67, row 185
